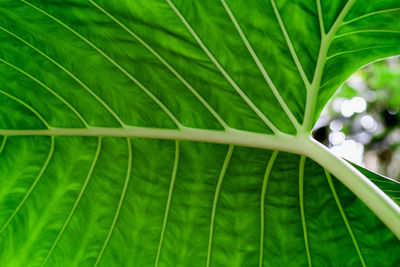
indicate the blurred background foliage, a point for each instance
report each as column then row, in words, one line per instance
column 362, row 122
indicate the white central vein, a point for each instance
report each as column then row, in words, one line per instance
column 118, row 66
column 165, row 63
column 70, row 74
column 86, row 182
column 343, row 214
column 65, row 102
column 120, row 203
column 222, row 70
column 171, row 190
column 28, row 193
column 261, row 67
column 302, row 212
column 283, row 142
column 290, row 45
column 270, row 164
column 215, row 202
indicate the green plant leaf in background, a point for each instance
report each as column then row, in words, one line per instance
column 177, row 133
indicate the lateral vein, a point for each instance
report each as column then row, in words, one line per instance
column 345, row 220
column 165, row 63
column 320, row 18
column 62, row 99
column 28, row 193
column 214, row 207
column 112, row 61
column 270, row 164
column 168, row 205
column 121, row 201
column 222, row 70
column 290, row 45
column 70, row 74
column 3, row 143
column 33, row 110
column 365, row 31
column 371, row 14
column 302, row 213
column 86, row 182
column 261, row 67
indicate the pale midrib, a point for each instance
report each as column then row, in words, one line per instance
column 168, row 205
column 48, row 89
column 28, row 193
column 270, row 164
column 112, row 61
column 215, row 202
column 166, row 64
column 283, row 142
column 302, row 211
column 222, row 70
column 344, row 217
column 290, row 45
column 261, row 67
column 77, row 201
column 70, row 74
column 120, row 203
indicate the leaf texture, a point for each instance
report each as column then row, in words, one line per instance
column 110, row 197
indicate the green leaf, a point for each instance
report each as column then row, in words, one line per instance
column 177, row 133
column 389, row 186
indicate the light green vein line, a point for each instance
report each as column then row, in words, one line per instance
column 320, row 18
column 101, row 52
column 339, row 20
column 3, row 143
column 171, row 190
column 214, row 207
column 89, row 175
column 261, row 67
column 290, row 45
column 301, row 199
column 70, row 74
column 34, row 111
column 391, row 191
column 358, row 50
column 222, row 70
column 28, row 193
column 371, row 14
column 381, row 181
column 166, row 64
column 48, row 89
column 121, row 201
column 262, row 210
column 365, row 31
column 346, row 222
column 326, row 40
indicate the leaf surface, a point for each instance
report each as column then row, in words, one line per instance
column 173, row 133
